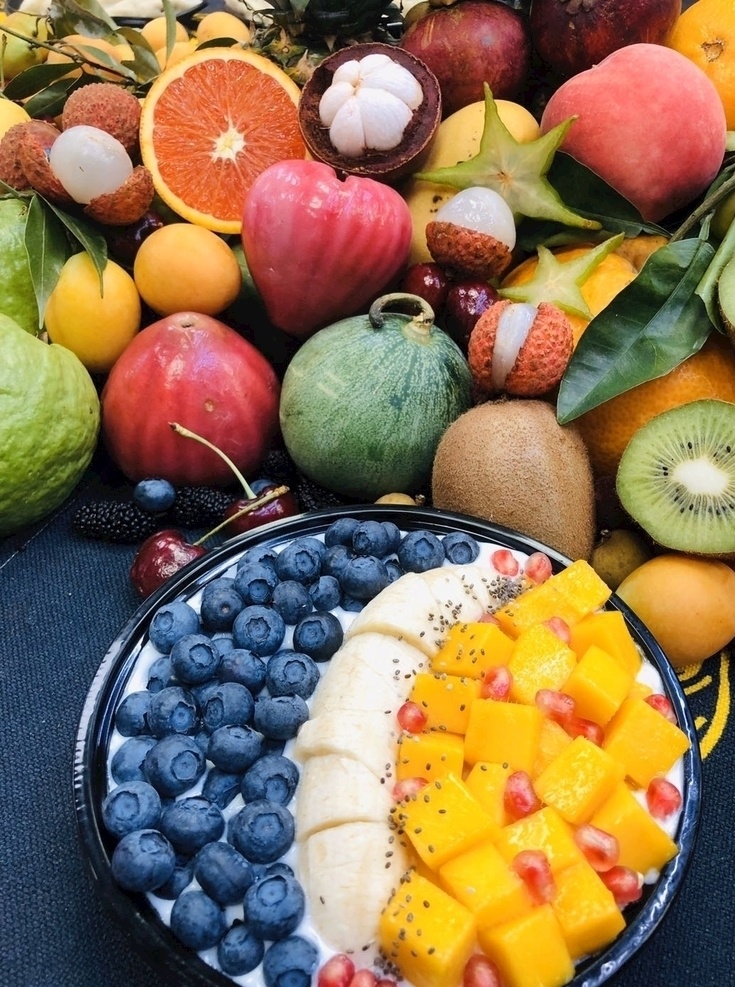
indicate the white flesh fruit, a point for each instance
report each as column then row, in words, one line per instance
column 368, row 737
column 483, row 210
column 322, row 777
column 89, row 162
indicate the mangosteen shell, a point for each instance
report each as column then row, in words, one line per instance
column 385, row 166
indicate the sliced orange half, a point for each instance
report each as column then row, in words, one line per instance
column 210, row 125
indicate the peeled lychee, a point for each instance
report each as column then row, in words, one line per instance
column 108, row 107
column 519, row 349
column 127, row 204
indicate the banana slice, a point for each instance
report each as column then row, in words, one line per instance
column 369, row 737
column 334, row 790
column 406, row 610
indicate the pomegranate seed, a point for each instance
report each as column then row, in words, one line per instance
column 385, row 982
column 489, row 618
column 560, row 627
column 496, row 683
column 662, row 705
column 338, row 971
column 411, row 717
column 662, row 798
column 577, row 726
column 505, row 562
column 533, row 867
column 624, row 884
column 407, row 787
column 557, row 706
column 537, row 567
column 364, row 978
column 601, row 849
column 480, row 971
column 519, row 798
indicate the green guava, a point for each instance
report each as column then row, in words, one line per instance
column 49, row 422
column 17, row 298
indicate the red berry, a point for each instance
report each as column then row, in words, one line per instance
column 519, row 797
column 411, row 717
column 624, row 884
column 559, row 627
column 537, row 567
column 428, row 281
column 662, row 705
column 273, row 510
column 577, row 726
column 557, row 706
column 505, row 562
column 496, row 683
column 465, row 303
column 480, row 971
column 533, row 867
column 662, row 798
column 385, row 982
column 159, row 558
column 407, row 787
column 338, row 971
column 601, row 849
column 364, row 978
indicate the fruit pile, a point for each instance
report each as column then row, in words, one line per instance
column 444, row 252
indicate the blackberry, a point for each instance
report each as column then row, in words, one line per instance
column 312, row 497
column 197, row 507
column 118, row 521
column 279, row 467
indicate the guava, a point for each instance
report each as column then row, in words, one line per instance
column 49, row 422
column 17, row 297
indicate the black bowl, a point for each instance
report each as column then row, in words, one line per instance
column 179, row 965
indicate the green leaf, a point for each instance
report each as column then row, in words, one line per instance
column 81, row 17
column 707, row 287
column 730, row 142
column 86, row 235
column 47, row 246
column 49, row 102
column 649, row 328
column 33, row 80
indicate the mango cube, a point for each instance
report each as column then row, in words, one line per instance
column 442, row 820
column 598, row 684
column 431, row 754
column 541, row 830
column 534, row 606
column 578, row 780
column 504, row 732
column 483, row 882
column 644, row 845
column 486, row 780
column 427, row 933
column 609, row 631
column 445, row 699
column 644, row 741
column 471, row 648
column 552, row 741
column 581, row 587
column 586, row 910
column 529, row 951
column 540, row 660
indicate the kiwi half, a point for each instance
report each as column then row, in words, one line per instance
column 676, row 478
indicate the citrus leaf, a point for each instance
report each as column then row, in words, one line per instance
column 81, row 17
column 47, row 246
column 86, row 235
column 650, row 327
column 49, row 102
column 707, row 287
column 33, row 80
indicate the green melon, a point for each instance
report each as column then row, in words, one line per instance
column 365, row 401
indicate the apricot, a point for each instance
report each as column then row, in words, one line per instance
column 649, row 122
column 687, row 603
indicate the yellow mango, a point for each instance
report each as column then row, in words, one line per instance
column 504, row 732
column 586, row 910
column 644, row 742
column 529, row 951
column 581, row 587
column 609, row 631
column 534, row 606
column 486, row 780
column 540, row 660
column 471, row 648
column 644, row 845
column 552, row 741
column 432, row 754
column 541, row 830
column 578, row 780
column 445, row 699
column 598, row 684
column 483, row 882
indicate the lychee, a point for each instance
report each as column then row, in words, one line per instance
column 108, row 107
column 127, row 204
column 34, row 145
column 11, row 170
column 473, row 234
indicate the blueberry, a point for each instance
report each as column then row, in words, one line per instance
column 459, row 548
column 268, row 870
column 194, row 659
column 280, row 716
column 290, row 962
column 335, row 559
column 420, row 551
column 130, row 806
column 171, row 622
column 241, row 665
column 260, row 484
column 160, row 674
column 202, row 738
column 352, row 605
column 221, row 603
column 262, row 831
column 394, row 537
column 143, row 860
column 370, row 538
column 172, row 710
column 230, row 702
column 154, row 495
column 259, row 629
column 223, row 873
column 131, row 716
column 258, row 553
column 174, row 764
column 180, row 879
column 222, row 640
column 273, row 777
column 291, row 673
column 128, row 760
column 189, row 823
column 255, row 582
column 340, row 532
column 319, row 635
column 325, row 593
column 234, row 748
column 301, row 560
column 393, row 568
column 364, row 577
column 197, row 921
column 274, row 906
column 221, row 787
column 239, row 950
column 292, row 600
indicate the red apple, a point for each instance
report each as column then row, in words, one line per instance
column 189, row 368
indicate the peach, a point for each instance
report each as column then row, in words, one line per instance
column 649, row 122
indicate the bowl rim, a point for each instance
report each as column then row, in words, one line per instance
column 152, row 936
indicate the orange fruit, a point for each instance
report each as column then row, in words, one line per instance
column 705, row 34
column 608, row 428
column 210, row 124
column 79, row 44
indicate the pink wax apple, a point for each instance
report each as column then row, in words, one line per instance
column 320, row 248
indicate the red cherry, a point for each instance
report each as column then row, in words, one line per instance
column 428, row 281
column 160, row 557
column 284, row 505
column 465, row 303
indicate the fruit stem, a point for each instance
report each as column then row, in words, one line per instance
column 705, row 207
column 423, row 319
column 261, row 501
column 188, row 434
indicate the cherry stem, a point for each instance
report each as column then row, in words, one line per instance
column 188, row 434
column 261, row 501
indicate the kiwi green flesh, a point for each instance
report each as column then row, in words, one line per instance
column 726, row 296
column 676, row 478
